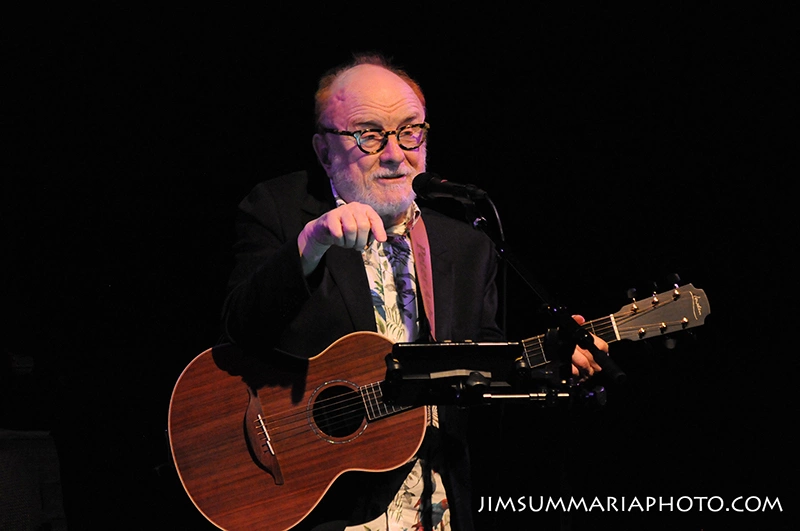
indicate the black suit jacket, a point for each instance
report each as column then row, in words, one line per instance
column 271, row 306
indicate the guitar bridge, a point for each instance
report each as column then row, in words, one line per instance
column 258, row 438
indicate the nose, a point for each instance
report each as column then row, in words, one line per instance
column 392, row 153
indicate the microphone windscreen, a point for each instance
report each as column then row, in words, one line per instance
column 421, row 183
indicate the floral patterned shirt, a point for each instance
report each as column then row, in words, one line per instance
column 393, row 286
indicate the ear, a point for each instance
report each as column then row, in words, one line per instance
column 322, row 150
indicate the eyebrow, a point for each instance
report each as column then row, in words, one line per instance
column 372, row 124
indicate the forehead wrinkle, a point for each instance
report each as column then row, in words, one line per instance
column 377, row 115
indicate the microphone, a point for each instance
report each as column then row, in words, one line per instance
column 430, row 186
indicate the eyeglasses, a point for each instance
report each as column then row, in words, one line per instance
column 371, row 141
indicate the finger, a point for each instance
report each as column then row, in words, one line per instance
column 583, row 362
column 364, row 231
column 580, row 374
column 378, row 231
column 331, row 230
column 370, row 226
column 325, row 230
column 599, row 343
column 602, row 345
column 351, row 227
column 587, row 359
column 359, row 225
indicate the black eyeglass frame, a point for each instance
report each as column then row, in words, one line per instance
column 385, row 134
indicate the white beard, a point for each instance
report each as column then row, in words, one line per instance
column 387, row 205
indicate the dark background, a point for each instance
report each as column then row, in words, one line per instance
column 619, row 145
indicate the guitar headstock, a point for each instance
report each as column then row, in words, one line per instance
column 664, row 313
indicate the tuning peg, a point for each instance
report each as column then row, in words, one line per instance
column 654, row 301
column 675, row 280
column 632, row 296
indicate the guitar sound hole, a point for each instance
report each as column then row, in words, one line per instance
column 338, row 411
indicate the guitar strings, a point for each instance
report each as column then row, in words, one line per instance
column 336, row 403
column 604, row 326
column 336, row 412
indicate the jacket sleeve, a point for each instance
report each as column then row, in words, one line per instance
column 267, row 287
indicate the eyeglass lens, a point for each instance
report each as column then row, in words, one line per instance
column 408, row 137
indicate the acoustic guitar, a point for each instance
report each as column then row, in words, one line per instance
column 258, row 442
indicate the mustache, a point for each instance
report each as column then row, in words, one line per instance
column 385, row 173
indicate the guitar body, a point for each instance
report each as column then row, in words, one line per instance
column 258, row 443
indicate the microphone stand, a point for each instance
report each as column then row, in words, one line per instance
column 569, row 332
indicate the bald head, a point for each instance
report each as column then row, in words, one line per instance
column 360, row 94
column 336, row 75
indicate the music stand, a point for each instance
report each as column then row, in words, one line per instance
column 468, row 373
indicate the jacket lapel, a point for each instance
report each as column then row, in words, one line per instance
column 443, row 279
column 346, row 268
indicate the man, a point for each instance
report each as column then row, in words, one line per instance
column 318, row 258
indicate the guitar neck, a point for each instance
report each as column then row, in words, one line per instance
column 534, row 348
column 664, row 313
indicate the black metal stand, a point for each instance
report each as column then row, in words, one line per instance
column 478, row 373
column 467, row 374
